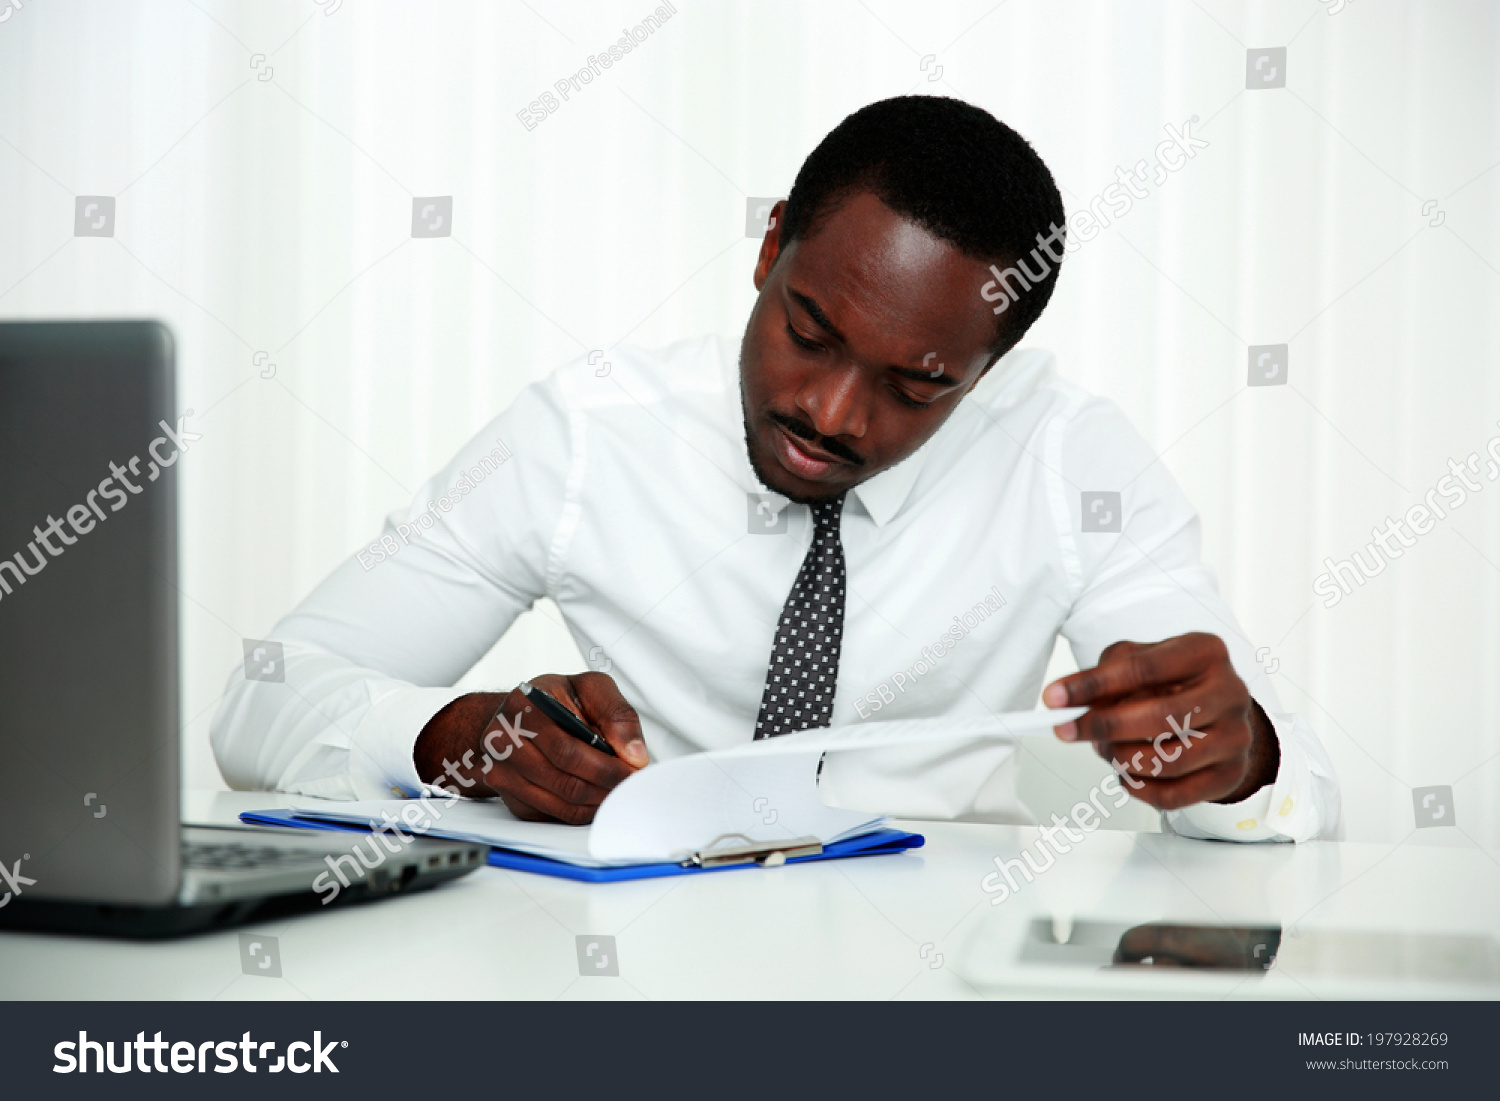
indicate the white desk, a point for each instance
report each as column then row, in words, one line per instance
column 911, row 926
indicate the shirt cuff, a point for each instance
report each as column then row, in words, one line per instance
column 1284, row 810
column 380, row 760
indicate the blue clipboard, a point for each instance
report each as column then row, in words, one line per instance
column 871, row 844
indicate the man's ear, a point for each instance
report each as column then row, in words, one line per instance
column 770, row 245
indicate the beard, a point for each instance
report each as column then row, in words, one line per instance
column 760, row 471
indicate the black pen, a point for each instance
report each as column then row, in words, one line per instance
column 564, row 718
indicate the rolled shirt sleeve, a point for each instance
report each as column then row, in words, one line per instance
column 1302, row 804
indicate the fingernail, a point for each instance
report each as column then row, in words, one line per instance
column 636, row 753
column 1055, row 696
column 1068, row 732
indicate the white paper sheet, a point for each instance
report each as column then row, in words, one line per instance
column 759, row 792
column 871, row 735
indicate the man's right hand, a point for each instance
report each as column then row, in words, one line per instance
column 541, row 772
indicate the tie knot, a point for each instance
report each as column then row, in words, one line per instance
column 826, row 513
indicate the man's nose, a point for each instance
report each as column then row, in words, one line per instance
column 837, row 402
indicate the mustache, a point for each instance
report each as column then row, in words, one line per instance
column 810, row 434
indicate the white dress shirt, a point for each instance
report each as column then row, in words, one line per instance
column 628, row 499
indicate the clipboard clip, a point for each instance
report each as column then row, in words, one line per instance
column 768, row 854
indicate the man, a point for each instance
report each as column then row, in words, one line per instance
column 843, row 520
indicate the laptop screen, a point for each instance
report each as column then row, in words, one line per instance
column 88, row 610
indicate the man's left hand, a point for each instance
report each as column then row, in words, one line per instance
column 1174, row 719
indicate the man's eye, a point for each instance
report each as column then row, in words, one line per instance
column 908, row 400
column 802, row 341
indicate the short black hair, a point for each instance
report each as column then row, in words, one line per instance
column 956, row 171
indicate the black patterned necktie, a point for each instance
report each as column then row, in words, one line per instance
column 804, row 667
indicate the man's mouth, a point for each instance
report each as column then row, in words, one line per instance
column 803, row 459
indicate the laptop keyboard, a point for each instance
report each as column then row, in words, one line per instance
column 217, row 855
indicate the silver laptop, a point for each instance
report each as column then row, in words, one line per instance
column 90, row 836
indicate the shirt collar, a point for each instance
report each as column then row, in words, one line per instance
column 884, row 494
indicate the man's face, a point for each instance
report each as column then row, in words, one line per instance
column 864, row 338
